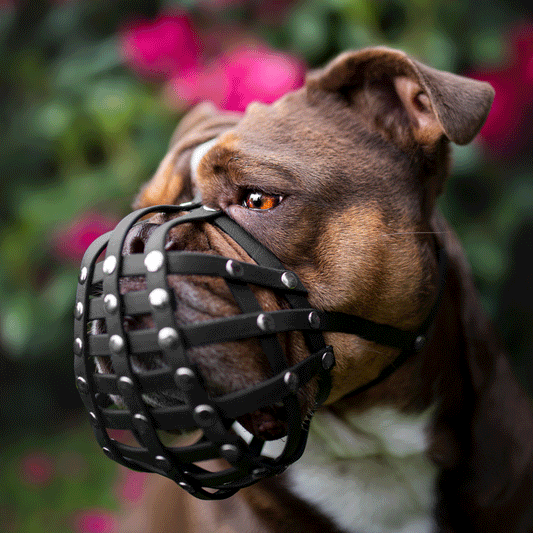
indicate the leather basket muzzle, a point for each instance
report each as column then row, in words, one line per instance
column 99, row 299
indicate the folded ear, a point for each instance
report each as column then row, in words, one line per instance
column 404, row 99
column 172, row 180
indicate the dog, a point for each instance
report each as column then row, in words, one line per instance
column 340, row 180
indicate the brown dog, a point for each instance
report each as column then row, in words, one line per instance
column 340, row 180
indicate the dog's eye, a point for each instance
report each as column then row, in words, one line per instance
column 261, row 201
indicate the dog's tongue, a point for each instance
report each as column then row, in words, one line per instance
column 268, row 423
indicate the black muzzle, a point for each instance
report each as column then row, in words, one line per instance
column 99, row 299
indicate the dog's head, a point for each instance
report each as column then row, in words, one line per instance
column 339, row 180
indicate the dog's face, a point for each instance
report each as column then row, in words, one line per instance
column 339, row 181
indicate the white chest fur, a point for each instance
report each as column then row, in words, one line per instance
column 369, row 473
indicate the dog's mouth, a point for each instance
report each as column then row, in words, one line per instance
column 267, row 423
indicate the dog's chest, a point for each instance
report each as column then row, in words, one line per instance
column 369, row 473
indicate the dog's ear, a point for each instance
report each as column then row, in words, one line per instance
column 404, row 99
column 172, row 180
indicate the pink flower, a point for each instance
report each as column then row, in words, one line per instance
column 245, row 74
column 165, row 47
column 95, row 521
column 507, row 129
column 71, row 241
column 37, row 468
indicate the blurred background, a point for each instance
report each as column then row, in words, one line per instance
column 90, row 92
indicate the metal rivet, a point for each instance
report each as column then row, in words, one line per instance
column 82, row 385
column 116, row 343
column 186, row 204
column 314, row 320
column 289, row 279
column 125, row 384
column 78, row 311
column 185, row 486
column 210, row 209
column 167, row 338
column 108, row 452
column 266, row 323
column 78, row 346
column 328, row 360
column 230, row 452
column 420, row 342
column 204, row 415
column 292, row 381
column 110, row 303
column 154, row 261
column 163, row 462
column 234, row 269
column 185, row 378
column 83, row 275
column 159, row 298
column 139, row 417
column 93, row 419
column 141, row 423
column 259, row 473
column 110, row 264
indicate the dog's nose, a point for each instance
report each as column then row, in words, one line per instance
column 137, row 237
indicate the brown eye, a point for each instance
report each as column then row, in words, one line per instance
column 261, row 201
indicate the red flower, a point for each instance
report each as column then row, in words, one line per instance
column 37, row 468
column 240, row 76
column 70, row 242
column 165, row 47
column 507, row 129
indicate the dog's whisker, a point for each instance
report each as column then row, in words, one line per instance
column 414, row 233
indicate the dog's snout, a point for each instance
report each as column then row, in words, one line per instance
column 137, row 237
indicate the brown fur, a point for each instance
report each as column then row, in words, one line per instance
column 360, row 155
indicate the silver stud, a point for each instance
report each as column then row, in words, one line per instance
column 420, row 342
column 125, row 384
column 314, row 320
column 159, row 298
column 328, row 360
column 78, row 311
column 93, row 419
column 266, row 323
column 230, row 452
column 116, row 343
column 204, row 415
column 292, row 381
column 185, row 378
column 83, row 275
column 108, row 452
column 82, row 385
column 185, row 485
column 110, row 303
column 142, row 424
column 110, row 264
column 154, row 261
column 289, row 279
column 167, row 337
column 259, row 473
column 78, row 346
column 234, row 269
